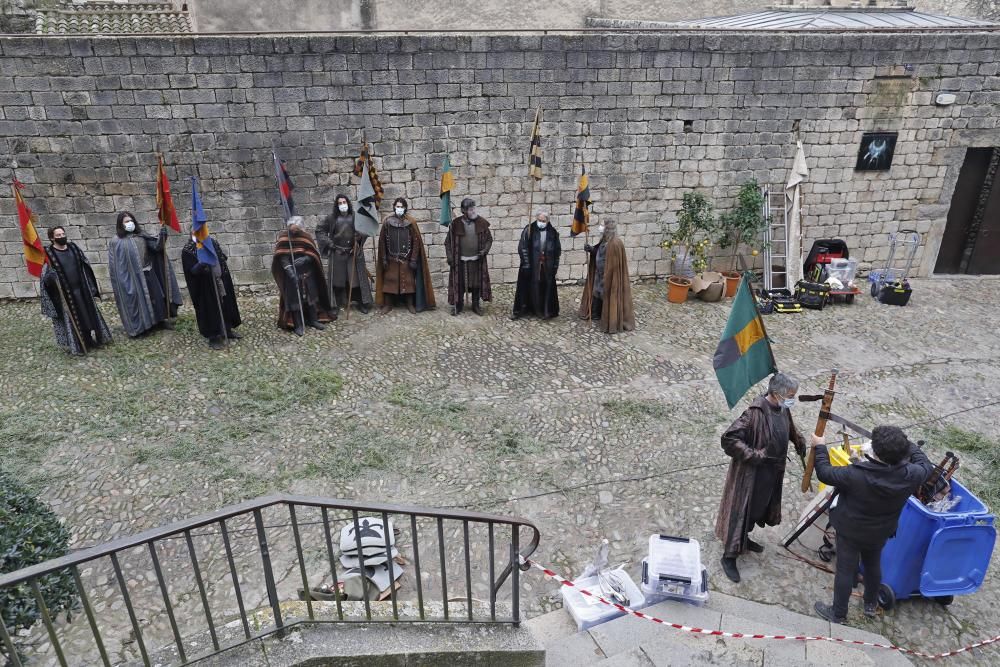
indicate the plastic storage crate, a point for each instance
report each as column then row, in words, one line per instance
column 589, row 611
column 657, row 588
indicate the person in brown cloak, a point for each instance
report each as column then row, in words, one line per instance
column 466, row 245
column 758, row 444
column 607, row 295
column 298, row 271
column 401, row 272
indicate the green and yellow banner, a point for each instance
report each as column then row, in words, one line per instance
column 744, row 355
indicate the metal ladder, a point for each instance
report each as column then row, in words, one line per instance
column 775, row 236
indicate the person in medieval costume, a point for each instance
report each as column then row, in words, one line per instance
column 298, row 271
column 344, row 250
column 466, row 246
column 401, row 271
column 212, row 293
column 142, row 277
column 607, row 295
column 539, row 250
column 757, row 442
column 68, row 291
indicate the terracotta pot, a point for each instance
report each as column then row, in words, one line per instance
column 732, row 282
column 677, row 289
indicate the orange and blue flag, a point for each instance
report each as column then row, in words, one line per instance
column 744, row 355
column 34, row 253
column 199, row 228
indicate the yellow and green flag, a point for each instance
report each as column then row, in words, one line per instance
column 447, row 185
column 744, row 355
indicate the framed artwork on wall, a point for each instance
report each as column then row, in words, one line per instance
column 875, row 153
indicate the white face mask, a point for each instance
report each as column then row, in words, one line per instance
column 194, row 238
column 541, row 223
column 343, row 208
column 400, row 211
column 472, row 215
column 788, row 403
column 129, row 226
column 600, row 230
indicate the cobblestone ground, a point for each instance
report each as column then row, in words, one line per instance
column 586, row 435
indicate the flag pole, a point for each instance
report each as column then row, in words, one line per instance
column 287, row 211
column 350, row 278
column 218, row 301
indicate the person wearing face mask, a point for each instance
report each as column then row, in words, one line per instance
column 212, row 293
column 539, row 250
column 298, row 271
column 871, row 495
column 139, row 275
column 607, row 295
column 343, row 248
column 401, row 271
column 466, row 246
column 67, row 296
column 757, row 443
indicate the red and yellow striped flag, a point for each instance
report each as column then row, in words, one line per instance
column 34, row 253
column 164, row 201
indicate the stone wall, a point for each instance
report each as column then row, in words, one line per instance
column 650, row 115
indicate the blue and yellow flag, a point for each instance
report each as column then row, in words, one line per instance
column 447, row 185
column 199, row 228
column 744, row 355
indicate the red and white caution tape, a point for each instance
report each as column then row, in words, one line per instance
column 742, row 635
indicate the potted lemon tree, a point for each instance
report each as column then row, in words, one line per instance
column 742, row 225
column 689, row 243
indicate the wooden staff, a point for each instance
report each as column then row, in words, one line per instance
column 824, row 413
column 69, row 315
column 350, row 279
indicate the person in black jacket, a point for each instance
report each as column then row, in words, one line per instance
column 871, row 495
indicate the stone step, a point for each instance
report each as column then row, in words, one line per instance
column 633, row 642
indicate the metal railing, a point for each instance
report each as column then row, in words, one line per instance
column 133, row 574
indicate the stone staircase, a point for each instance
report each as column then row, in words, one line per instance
column 632, row 642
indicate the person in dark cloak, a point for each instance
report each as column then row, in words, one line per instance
column 142, row 277
column 212, row 293
column 298, row 272
column 757, row 442
column 539, row 250
column 607, row 294
column 344, row 250
column 467, row 244
column 401, row 271
column 67, row 295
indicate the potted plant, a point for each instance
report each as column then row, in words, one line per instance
column 741, row 225
column 688, row 243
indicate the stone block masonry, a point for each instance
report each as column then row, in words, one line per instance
column 650, row 115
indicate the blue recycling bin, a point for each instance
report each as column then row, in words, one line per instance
column 938, row 554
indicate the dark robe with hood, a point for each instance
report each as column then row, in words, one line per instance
column 139, row 277
column 615, row 290
column 407, row 273
column 753, row 484
column 69, row 284
column 465, row 276
column 536, row 278
column 312, row 283
column 344, row 249
column 209, row 288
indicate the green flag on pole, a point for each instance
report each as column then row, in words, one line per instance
column 447, row 184
column 744, row 355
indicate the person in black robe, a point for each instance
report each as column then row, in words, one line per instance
column 142, row 278
column 68, row 291
column 539, row 250
column 344, row 249
column 212, row 293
